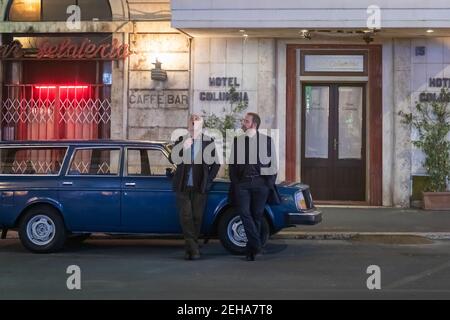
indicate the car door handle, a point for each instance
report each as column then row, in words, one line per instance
column 130, row 184
column 67, row 183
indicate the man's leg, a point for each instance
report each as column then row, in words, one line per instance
column 186, row 220
column 198, row 210
column 258, row 201
column 247, row 220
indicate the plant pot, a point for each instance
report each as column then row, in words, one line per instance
column 436, row 200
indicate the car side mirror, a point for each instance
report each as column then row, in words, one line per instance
column 170, row 172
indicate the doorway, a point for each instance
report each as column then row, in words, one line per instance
column 333, row 140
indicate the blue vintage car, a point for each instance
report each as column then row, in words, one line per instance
column 53, row 191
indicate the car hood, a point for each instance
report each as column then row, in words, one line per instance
column 283, row 187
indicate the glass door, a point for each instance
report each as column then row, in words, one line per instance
column 333, row 141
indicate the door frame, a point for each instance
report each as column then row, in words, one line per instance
column 374, row 128
column 334, row 127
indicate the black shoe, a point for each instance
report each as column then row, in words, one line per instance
column 195, row 256
column 187, row 256
column 250, row 257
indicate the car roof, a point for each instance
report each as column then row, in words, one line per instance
column 104, row 142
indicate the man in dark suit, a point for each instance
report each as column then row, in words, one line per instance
column 192, row 180
column 253, row 172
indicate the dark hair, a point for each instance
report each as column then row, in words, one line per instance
column 255, row 118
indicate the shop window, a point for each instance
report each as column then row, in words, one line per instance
column 46, row 100
column 25, row 10
column 56, row 10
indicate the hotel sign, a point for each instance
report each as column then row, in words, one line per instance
column 436, row 96
column 439, row 83
column 322, row 62
column 223, row 95
column 334, row 63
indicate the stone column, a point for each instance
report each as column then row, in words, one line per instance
column 118, row 94
column 266, row 82
column 402, row 133
column 388, row 121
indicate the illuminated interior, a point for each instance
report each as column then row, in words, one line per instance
column 25, row 10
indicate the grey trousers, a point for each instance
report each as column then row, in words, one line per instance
column 191, row 206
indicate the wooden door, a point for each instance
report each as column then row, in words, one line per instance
column 333, row 141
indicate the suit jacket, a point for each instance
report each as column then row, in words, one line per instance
column 203, row 173
column 236, row 171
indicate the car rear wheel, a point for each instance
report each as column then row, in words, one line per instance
column 232, row 234
column 42, row 230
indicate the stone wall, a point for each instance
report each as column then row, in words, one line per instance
column 435, row 63
column 250, row 61
column 411, row 77
column 154, row 108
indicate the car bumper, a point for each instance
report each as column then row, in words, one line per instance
column 304, row 218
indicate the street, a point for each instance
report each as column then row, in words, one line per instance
column 288, row 269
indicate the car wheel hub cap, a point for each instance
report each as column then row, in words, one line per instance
column 236, row 232
column 41, row 230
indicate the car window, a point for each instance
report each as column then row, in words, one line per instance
column 147, row 162
column 31, row 160
column 95, row 161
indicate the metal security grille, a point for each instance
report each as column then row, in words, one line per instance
column 44, row 112
column 83, row 167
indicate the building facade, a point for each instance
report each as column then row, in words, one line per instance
column 315, row 71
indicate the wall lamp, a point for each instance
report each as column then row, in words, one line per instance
column 157, row 73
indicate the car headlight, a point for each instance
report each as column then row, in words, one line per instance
column 300, row 201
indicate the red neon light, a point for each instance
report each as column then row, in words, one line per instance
column 73, row 87
column 61, row 87
column 45, row 87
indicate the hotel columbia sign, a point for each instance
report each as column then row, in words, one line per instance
column 436, row 96
column 223, row 82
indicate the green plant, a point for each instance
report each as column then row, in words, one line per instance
column 230, row 116
column 228, row 120
column 432, row 121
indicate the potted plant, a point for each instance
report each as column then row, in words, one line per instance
column 432, row 122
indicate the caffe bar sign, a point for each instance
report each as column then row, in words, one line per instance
column 223, row 82
column 66, row 50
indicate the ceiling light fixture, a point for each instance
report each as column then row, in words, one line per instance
column 305, row 34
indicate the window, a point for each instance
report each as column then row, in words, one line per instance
column 95, row 161
column 25, row 10
column 147, row 162
column 29, row 161
column 56, row 10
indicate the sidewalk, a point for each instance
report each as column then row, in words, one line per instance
column 345, row 223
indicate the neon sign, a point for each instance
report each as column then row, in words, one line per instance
column 86, row 50
column 66, row 50
column 11, row 50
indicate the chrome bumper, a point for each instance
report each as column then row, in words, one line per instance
column 306, row 218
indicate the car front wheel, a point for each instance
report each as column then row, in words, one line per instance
column 232, row 234
column 42, row 230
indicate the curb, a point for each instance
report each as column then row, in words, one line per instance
column 350, row 235
column 288, row 235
